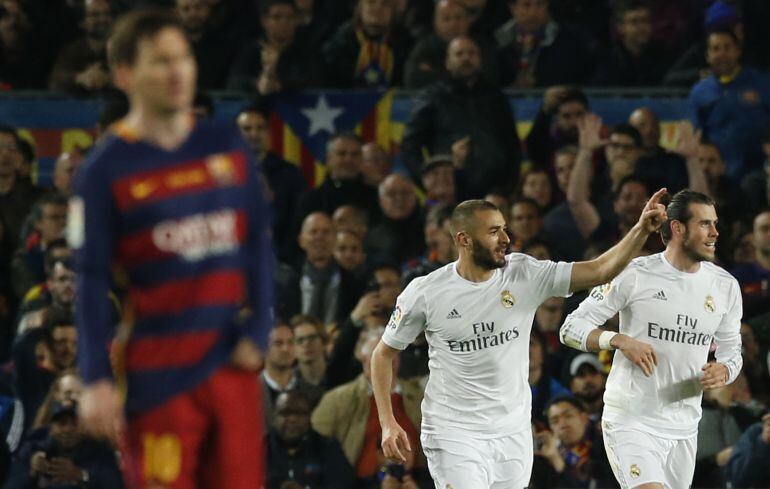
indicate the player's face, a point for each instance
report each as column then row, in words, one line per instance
column 701, row 233
column 489, row 240
column 567, row 422
column 163, row 75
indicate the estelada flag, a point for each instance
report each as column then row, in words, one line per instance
column 301, row 125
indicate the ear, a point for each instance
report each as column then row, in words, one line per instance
column 463, row 239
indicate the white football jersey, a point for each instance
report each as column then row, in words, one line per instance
column 679, row 314
column 478, row 337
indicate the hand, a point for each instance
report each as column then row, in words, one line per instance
column 246, row 356
column 62, row 470
column 101, row 410
column 714, row 375
column 549, row 445
column 395, row 443
column 590, row 132
column 552, row 97
column 269, row 56
column 460, row 150
column 654, row 213
column 639, row 353
column 687, row 140
column 38, row 464
column 368, row 305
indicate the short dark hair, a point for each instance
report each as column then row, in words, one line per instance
column 10, row 131
column 266, row 5
column 26, row 149
column 465, row 212
column 569, row 399
column 629, row 179
column 55, row 317
column 724, row 32
column 628, row 130
column 438, row 214
column 53, row 198
column 528, row 201
column 572, row 94
column 134, row 27
column 620, row 8
column 260, row 107
column 679, row 209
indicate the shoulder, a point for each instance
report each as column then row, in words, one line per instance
column 109, row 152
column 721, row 274
column 420, row 285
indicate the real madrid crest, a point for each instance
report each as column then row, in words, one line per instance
column 709, row 304
column 507, row 299
column 635, row 471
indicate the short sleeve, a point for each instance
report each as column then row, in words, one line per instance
column 551, row 279
column 408, row 317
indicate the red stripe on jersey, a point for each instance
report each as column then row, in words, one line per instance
column 216, row 171
column 174, row 296
column 190, row 236
column 177, row 351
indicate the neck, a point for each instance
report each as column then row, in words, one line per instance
column 167, row 131
column 314, row 370
column 282, row 376
column 679, row 259
column 277, row 44
column 634, row 49
column 472, row 272
column 96, row 45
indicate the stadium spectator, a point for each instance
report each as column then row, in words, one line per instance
column 65, row 458
column 325, row 290
column 483, row 140
column 398, row 235
column 284, row 179
column 526, row 223
column 39, row 355
column 730, row 204
column 58, row 291
column 556, row 124
column 375, row 164
column 349, row 251
column 23, row 65
column 548, row 319
column 16, row 198
column 571, row 454
column 213, row 50
column 65, row 390
column 426, row 62
column 369, row 50
column 541, row 380
column 81, row 67
column 536, row 185
column 438, row 180
column 634, row 59
column 319, row 18
column 438, row 241
column 64, row 169
column 349, row 415
column 50, row 221
column 310, row 348
column 586, row 381
column 299, row 457
column 755, row 368
column 280, row 375
column 344, row 182
column 718, row 431
column 732, row 106
column 756, row 185
column 537, row 51
column 750, row 455
column 754, row 277
column 279, row 61
column 351, row 218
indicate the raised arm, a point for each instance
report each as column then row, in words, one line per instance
column 687, row 143
column 601, row 270
column 579, row 188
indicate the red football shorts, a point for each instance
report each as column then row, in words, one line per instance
column 209, row 437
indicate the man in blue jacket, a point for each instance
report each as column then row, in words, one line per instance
column 748, row 463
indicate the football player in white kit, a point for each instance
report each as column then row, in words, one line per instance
column 477, row 314
column 675, row 303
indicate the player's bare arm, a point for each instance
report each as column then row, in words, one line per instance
column 394, row 440
column 601, row 270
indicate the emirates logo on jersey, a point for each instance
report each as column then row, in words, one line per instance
column 198, row 236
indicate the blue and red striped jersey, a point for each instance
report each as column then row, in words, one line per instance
column 189, row 228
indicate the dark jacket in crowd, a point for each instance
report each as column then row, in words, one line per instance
column 451, row 110
column 618, row 67
column 748, row 464
column 318, row 463
column 426, row 62
column 288, row 185
column 399, row 240
column 332, row 194
column 297, row 68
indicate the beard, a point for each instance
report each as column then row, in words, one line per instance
column 691, row 251
column 484, row 258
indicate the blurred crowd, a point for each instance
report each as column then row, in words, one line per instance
column 569, row 188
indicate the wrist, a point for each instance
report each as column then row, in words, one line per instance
column 616, row 341
column 605, row 340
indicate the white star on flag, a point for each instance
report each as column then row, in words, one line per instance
column 322, row 116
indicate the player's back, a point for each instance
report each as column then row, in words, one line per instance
column 679, row 314
column 178, row 228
